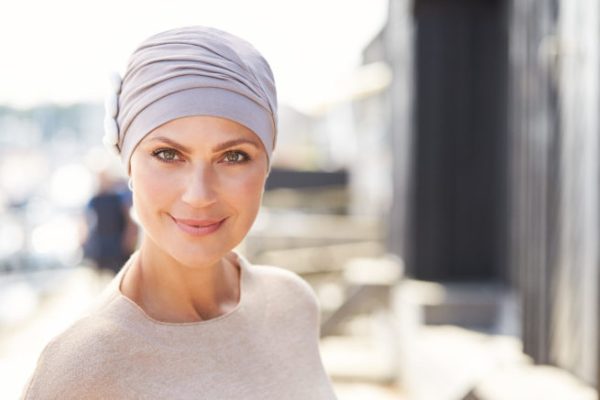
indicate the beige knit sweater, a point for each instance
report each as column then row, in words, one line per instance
column 266, row 348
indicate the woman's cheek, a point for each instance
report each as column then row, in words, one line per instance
column 248, row 185
column 152, row 188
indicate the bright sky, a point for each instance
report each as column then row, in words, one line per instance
column 62, row 50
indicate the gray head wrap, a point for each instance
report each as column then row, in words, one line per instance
column 190, row 71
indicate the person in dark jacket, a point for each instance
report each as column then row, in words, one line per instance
column 111, row 232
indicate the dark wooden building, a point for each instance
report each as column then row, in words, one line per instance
column 494, row 128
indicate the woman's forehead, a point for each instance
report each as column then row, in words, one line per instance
column 200, row 131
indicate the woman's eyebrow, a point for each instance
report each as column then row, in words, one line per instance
column 171, row 143
column 234, row 142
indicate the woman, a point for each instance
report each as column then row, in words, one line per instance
column 187, row 317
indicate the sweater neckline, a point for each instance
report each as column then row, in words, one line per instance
column 243, row 289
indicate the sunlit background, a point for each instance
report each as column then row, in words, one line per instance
column 436, row 181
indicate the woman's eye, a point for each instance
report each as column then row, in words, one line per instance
column 235, row 157
column 165, row 155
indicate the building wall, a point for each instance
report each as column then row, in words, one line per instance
column 554, row 179
column 549, row 167
column 397, row 39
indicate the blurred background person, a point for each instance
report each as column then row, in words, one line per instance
column 111, row 233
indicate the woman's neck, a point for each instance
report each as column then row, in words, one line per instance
column 169, row 291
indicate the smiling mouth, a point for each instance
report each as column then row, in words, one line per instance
column 198, row 227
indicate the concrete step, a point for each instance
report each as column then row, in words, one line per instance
column 481, row 306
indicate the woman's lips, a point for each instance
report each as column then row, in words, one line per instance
column 198, row 227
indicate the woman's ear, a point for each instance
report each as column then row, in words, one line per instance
column 268, row 166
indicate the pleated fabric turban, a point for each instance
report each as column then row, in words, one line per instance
column 189, row 71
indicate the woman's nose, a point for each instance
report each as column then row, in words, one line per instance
column 200, row 187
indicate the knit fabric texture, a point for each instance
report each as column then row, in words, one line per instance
column 266, row 348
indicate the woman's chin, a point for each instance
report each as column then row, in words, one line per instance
column 194, row 256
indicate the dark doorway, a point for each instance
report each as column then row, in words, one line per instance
column 459, row 214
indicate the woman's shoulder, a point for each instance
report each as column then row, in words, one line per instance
column 74, row 359
column 282, row 275
column 283, row 282
column 291, row 302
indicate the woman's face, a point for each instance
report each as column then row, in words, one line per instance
column 198, row 183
